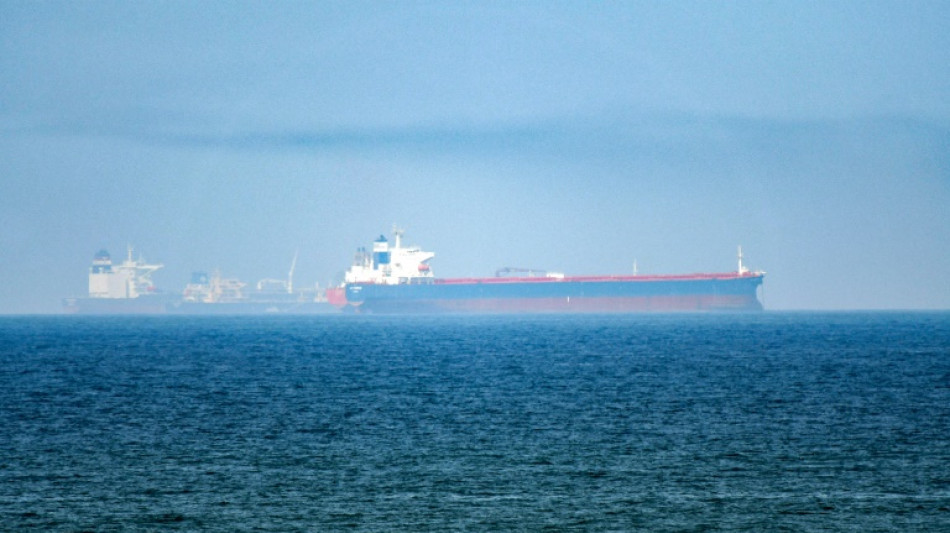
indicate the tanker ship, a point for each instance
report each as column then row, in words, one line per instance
column 397, row 279
column 217, row 295
column 120, row 288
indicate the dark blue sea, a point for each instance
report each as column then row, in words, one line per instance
column 748, row 422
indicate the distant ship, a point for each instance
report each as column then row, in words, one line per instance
column 123, row 288
column 397, row 279
column 127, row 288
column 216, row 294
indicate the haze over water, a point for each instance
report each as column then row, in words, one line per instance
column 558, row 136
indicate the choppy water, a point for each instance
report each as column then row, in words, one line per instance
column 764, row 422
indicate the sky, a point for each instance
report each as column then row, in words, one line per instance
column 570, row 136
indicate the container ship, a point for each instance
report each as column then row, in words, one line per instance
column 393, row 278
column 127, row 288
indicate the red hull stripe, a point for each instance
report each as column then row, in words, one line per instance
column 593, row 305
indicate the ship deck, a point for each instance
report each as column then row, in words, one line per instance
column 602, row 278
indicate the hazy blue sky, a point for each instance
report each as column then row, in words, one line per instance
column 573, row 136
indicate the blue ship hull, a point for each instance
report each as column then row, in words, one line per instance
column 605, row 294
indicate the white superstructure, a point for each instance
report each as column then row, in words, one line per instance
column 216, row 289
column 390, row 264
column 129, row 279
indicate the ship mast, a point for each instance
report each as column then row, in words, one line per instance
column 742, row 269
column 397, row 233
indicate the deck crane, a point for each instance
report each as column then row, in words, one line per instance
column 290, row 275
